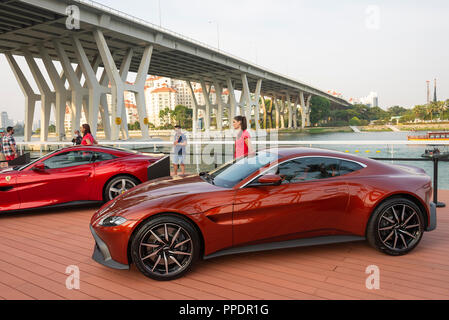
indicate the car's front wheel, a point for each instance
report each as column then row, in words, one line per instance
column 396, row 227
column 165, row 248
column 118, row 186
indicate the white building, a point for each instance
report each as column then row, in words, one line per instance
column 371, row 100
column 161, row 99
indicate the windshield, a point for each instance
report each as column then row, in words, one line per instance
column 232, row 173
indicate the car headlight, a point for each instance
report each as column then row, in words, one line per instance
column 112, row 221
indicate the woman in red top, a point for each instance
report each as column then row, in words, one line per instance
column 88, row 139
column 242, row 143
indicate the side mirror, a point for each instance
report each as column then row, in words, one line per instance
column 40, row 167
column 270, row 180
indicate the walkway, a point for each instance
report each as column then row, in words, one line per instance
column 36, row 248
column 355, row 129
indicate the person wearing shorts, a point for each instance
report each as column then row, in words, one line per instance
column 179, row 152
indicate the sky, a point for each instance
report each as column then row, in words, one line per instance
column 352, row 46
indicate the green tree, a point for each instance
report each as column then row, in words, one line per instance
column 320, row 110
column 183, row 116
column 166, row 115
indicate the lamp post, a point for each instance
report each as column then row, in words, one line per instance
column 218, row 33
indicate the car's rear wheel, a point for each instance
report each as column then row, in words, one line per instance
column 165, row 248
column 396, row 227
column 118, row 186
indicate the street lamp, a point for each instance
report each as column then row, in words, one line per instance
column 218, row 32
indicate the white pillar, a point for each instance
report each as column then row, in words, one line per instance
column 290, row 112
column 309, row 98
column 30, row 96
column 117, row 86
column 195, row 109
column 206, row 94
column 140, row 90
column 47, row 96
column 61, row 92
column 246, row 95
column 73, row 77
column 295, row 113
column 232, row 100
column 220, row 103
column 276, row 106
column 303, row 110
column 257, row 103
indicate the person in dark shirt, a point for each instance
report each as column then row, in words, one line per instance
column 77, row 139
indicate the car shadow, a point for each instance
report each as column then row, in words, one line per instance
column 48, row 211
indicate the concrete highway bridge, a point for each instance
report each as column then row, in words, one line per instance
column 88, row 35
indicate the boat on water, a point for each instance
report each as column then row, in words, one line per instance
column 431, row 136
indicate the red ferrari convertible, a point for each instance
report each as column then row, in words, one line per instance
column 77, row 175
column 275, row 199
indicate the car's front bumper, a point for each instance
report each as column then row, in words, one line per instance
column 103, row 256
column 433, row 218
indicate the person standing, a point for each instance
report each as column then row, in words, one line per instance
column 2, row 134
column 243, row 140
column 9, row 145
column 88, row 138
column 77, row 139
column 179, row 151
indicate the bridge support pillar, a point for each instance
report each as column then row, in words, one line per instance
column 195, row 109
column 61, row 94
column 282, row 112
column 308, row 100
column 119, row 122
column 251, row 100
column 232, row 101
column 77, row 91
column 290, row 111
column 295, row 113
column 30, row 96
column 47, row 96
column 206, row 93
column 220, row 103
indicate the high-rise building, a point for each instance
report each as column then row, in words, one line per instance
column 4, row 119
column 161, row 99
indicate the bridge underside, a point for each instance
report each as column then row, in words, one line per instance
column 45, row 30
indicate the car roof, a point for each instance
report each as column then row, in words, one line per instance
column 285, row 153
column 99, row 149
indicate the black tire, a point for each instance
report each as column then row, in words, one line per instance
column 169, row 257
column 130, row 182
column 396, row 227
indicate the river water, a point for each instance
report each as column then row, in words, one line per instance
column 207, row 163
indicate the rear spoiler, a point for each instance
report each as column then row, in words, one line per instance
column 159, row 169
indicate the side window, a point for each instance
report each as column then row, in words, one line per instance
column 100, row 156
column 347, row 167
column 68, row 159
column 308, row 169
column 321, row 168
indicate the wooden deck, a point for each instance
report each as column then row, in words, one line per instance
column 36, row 248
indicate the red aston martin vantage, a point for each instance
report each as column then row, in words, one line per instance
column 77, row 175
column 274, row 199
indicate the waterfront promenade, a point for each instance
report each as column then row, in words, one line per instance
column 37, row 247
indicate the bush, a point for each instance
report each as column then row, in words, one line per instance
column 355, row 122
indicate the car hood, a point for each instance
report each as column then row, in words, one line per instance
column 164, row 191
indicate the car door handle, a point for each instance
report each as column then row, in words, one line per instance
column 333, row 190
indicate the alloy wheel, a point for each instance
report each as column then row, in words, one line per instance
column 399, row 227
column 120, row 187
column 166, row 249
